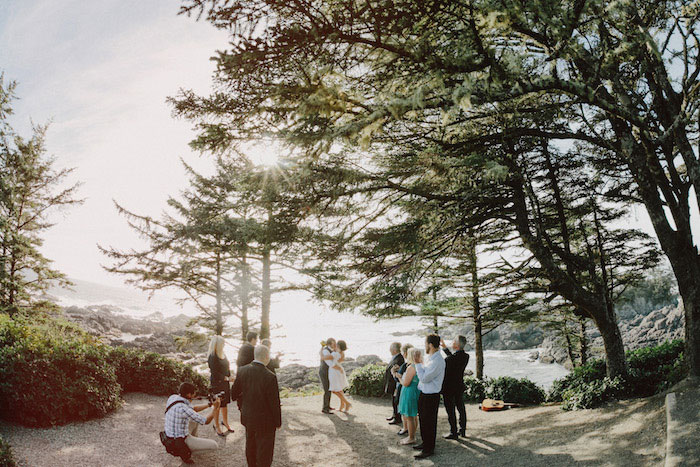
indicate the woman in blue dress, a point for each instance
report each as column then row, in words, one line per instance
column 408, row 402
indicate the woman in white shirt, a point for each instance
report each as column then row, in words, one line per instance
column 336, row 375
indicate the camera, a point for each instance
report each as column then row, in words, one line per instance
column 213, row 397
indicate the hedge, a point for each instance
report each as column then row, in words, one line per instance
column 367, row 381
column 52, row 372
column 6, row 457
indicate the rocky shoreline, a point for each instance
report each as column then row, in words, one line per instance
column 170, row 337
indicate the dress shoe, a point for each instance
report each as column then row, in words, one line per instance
column 396, row 422
column 418, row 447
column 451, row 436
column 390, row 419
column 188, row 460
column 402, row 432
column 423, row 455
column 463, row 433
column 326, row 411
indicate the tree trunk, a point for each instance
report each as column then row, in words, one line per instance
column 476, row 309
column 690, row 293
column 569, row 345
column 583, row 340
column 245, row 294
column 266, row 295
column 614, row 348
column 219, row 329
column 478, row 347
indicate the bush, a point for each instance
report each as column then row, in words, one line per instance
column 367, row 381
column 6, row 458
column 475, row 389
column 151, row 373
column 519, row 391
column 52, row 373
column 593, row 394
column 650, row 370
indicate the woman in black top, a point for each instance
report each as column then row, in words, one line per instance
column 220, row 378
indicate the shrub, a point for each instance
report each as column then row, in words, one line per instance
column 52, row 373
column 6, row 457
column 592, row 395
column 367, row 381
column 151, row 373
column 650, row 371
column 520, row 391
column 475, row 389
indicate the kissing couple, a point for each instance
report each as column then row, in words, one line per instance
column 332, row 374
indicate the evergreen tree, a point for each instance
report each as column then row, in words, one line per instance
column 31, row 188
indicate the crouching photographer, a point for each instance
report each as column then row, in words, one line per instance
column 182, row 421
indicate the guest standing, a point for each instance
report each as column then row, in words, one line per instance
column 220, row 371
column 408, row 402
column 390, row 383
column 405, row 349
column 326, row 355
column 274, row 364
column 245, row 353
column 453, row 386
column 431, row 373
column 257, row 390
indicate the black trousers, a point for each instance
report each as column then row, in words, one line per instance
column 428, row 405
column 455, row 400
column 259, row 446
column 395, row 402
column 325, row 384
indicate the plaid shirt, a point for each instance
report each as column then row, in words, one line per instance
column 178, row 417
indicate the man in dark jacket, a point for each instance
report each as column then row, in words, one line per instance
column 390, row 383
column 257, row 390
column 453, row 386
column 245, row 353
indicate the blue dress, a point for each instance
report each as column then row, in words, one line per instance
column 408, row 402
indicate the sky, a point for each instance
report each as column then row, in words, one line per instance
column 100, row 72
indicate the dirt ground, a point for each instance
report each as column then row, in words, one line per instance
column 625, row 433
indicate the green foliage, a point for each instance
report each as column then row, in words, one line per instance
column 519, row 391
column 593, row 394
column 475, row 389
column 49, row 378
column 52, row 372
column 367, row 381
column 650, row 370
column 6, row 457
column 151, row 373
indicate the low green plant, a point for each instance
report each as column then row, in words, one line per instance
column 151, row 373
column 519, row 391
column 52, row 372
column 475, row 389
column 6, row 457
column 367, row 381
column 593, row 394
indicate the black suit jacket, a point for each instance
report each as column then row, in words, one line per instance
column 455, row 364
column 246, row 354
column 389, row 381
column 256, row 390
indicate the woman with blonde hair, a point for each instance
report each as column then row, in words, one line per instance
column 408, row 403
column 220, row 378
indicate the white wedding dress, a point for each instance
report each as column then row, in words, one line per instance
column 337, row 381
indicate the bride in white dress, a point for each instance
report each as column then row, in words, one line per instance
column 336, row 375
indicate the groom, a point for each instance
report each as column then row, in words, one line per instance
column 325, row 353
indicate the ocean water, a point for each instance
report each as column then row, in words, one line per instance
column 300, row 324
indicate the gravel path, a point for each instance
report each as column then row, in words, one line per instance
column 626, row 433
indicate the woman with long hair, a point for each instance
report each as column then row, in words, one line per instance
column 408, row 403
column 337, row 381
column 219, row 380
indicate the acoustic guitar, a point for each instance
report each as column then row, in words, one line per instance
column 491, row 405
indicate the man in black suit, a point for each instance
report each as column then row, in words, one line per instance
column 256, row 389
column 245, row 353
column 453, row 386
column 390, row 383
column 326, row 356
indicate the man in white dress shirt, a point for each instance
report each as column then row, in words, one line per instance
column 430, row 372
